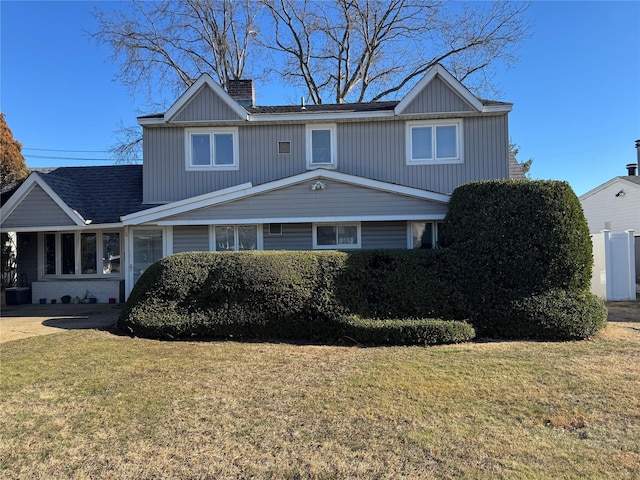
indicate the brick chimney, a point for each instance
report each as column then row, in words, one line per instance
column 242, row 92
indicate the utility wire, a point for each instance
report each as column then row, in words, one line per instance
column 69, row 151
column 80, row 159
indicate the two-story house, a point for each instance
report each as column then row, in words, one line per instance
column 220, row 173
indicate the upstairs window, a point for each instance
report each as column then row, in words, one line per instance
column 434, row 142
column 321, row 146
column 212, row 149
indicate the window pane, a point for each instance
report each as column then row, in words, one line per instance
column 147, row 249
column 421, row 146
column 321, row 146
column 200, row 149
column 326, row 235
column 50, row 253
column 422, row 235
column 247, row 237
column 88, row 252
column 347, row 235
column 110, row 253
column 446, row 142
column 225, row 239
column 68, row 253
column 223, row 149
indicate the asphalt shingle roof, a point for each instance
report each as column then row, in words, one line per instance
column 100, row 194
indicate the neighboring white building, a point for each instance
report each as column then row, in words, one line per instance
column 615, row 206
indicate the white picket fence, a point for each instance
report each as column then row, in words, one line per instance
column 614, row 266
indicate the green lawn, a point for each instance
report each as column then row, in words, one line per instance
column 88, row 404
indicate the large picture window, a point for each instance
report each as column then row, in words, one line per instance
column 321, row 146
column 434, row 142
column 77, row 253
column 336, row 236
column 212, row 149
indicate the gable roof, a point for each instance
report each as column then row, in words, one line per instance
column 205, row 81
column 89, row 195
column 247, row 190
column 327, row 111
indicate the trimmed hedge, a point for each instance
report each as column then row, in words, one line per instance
column 516, row 263
column 424, row 331
column 511, row 240
column 288, row 295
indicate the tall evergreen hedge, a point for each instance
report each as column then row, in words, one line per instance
column 512, row 240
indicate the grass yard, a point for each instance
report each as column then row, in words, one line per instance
column 89, row 404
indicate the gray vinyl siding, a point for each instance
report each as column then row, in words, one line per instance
column 190, row 238
column 372, row 149
column 384, row 235
column 299, row 201
column 437, row 97
column 205, row 106
column 298, row 236
column 37, row 209
column 295, row 236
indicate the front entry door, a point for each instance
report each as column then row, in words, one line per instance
column 147, row 249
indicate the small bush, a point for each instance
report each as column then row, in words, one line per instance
column 406, row 332
column 556, row 315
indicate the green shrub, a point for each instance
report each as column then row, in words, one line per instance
column 522, row 236
column 512, row 240
column 289, row 295
column 425, row 331
column 398, row 284
column 556, row 315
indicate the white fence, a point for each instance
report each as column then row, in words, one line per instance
column 614, row 267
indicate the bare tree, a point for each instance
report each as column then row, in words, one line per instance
column 171, row 43
column 337, row 50
column 167, row 45
column 357, row 50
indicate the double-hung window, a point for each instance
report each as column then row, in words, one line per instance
column 434, row 142
column 212, row 148
column 336, row 236
column 322, row 150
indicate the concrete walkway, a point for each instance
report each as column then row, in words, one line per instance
column 22, row 321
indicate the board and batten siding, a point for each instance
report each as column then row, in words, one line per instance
column 372, row 149
column 298, row 236
column 437, row 97
column 206, row 106
column 299, row 201
column 37, row 209
column 190, row 238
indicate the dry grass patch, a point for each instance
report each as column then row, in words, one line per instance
column 92, row 405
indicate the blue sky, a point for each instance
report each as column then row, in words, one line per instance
column 575, row 89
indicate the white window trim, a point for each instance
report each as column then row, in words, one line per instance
column 211, row 132
column 212, row 235
column 332, row 127
column 457, row 122
column 42, row 261
column 337, row 246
